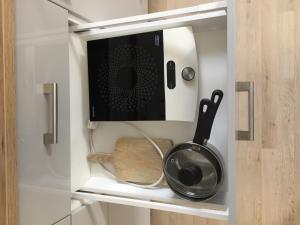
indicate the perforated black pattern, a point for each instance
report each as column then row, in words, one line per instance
column 121, row 99
column 126, row 78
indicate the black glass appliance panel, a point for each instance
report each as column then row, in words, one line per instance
column 126, row 78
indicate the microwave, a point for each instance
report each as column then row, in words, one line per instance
column 150, row 76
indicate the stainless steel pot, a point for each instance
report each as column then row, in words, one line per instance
column 194, row 170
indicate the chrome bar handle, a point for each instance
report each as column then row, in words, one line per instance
column 51, row 89
column 247, row 135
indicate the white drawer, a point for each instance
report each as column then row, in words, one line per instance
column 90, row 181
column 207, row 210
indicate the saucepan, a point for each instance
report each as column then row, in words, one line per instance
column 194, row 170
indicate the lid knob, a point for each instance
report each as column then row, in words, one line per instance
column 190, row 175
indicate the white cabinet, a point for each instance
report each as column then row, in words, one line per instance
column 97, row 213
column 48, row 53
column 90, row 214
column 128, row 215
column 42, row 57
column 209, row 22
column 95, row 10
column 66, row 221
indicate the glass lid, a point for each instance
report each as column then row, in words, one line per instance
column 192, row 173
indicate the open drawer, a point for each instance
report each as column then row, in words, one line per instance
column 209, row 23
column 161, row 199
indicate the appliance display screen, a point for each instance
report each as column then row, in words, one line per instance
column 126, row 78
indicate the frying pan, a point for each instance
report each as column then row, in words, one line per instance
column 194, row 170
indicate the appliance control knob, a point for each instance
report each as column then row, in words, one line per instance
column 188, row 73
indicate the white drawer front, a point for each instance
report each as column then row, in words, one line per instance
column 204, row 209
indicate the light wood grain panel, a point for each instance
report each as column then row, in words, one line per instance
column 161, row 217
column 8, row 185
column 268, row 168
column 297, row 110
column 249, row 68
column 162, row 5
column 167, row 218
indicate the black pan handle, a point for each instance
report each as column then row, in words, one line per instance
column 200, row 133
column 207, row 112
column 216, row 99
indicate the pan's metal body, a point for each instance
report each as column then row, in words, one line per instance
column 207, row 187
column 195, row 170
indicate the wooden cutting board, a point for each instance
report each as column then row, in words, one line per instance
column 135, row 159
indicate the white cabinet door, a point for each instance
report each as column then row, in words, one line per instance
column 92, row 214
column 98, row 213
column 42, row 57
column 66, row 221
column 128, row 215
column 95, row 10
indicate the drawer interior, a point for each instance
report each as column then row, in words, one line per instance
column 92, row 182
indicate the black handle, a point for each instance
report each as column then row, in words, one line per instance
column 200, row 134
column 216, row 99
column 207, row 112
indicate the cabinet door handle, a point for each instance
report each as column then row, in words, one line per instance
column 51, row 89
column 247, row 135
